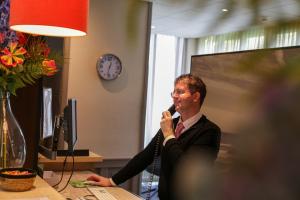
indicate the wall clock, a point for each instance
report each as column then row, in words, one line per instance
column 109, row 67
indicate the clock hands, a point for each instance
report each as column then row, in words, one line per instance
column 109, row 67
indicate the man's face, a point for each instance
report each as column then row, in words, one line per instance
column 182, row 97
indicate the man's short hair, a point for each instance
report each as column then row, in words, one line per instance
column 195, row 84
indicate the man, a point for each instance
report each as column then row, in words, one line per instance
column 194, row 134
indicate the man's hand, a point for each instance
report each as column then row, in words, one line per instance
column 100, row 180
column 166, row 124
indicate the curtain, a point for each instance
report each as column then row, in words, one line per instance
column 253, row 38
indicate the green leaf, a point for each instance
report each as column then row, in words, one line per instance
column 29, row 79
column 19, row 83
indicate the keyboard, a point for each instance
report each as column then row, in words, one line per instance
column 101, row 193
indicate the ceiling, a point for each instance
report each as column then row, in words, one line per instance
column 197, row 18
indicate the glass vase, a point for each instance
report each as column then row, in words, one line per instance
column 13, row 146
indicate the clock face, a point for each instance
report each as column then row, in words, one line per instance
column 109, row 67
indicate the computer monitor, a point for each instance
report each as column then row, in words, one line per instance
column 70, row 124
column 70, row 131
column 64, row 124
column 54, row 126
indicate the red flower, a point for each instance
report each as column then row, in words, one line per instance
column 13, row 56
column 22, row 38
column 2, row 37
column 46, row 49
column 49, row 67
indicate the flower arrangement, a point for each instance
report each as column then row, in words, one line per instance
column 23, row 57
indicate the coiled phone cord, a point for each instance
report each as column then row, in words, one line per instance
column 153, row 167
column 172, row 110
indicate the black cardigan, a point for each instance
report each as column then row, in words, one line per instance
column 203, row 137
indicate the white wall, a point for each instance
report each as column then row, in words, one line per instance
column 110, row 113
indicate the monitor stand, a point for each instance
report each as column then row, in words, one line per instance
column 76, row 152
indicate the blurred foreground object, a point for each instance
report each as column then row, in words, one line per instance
column 266, row 161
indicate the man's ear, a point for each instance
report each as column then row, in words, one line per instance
column 196, row 96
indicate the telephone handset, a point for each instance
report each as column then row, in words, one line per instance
column 156, row 160
column 172, row 110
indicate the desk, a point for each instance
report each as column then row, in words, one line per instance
column 41, row 189
column 81, row 162
column 73, row 193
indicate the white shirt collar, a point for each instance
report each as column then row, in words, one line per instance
column 190, row 121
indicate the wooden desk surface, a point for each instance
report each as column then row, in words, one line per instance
column 81, row 162
column 41, row 189
column 73, row 193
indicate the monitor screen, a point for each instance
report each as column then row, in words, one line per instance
column 70, row 124
column 47, row 113
column 49, row 125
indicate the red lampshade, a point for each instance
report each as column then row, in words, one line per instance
column 61, row 18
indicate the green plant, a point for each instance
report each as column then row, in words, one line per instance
column 23, row 63
column 23, row 57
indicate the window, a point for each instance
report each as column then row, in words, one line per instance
column 165, row 63
column 162, row 72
